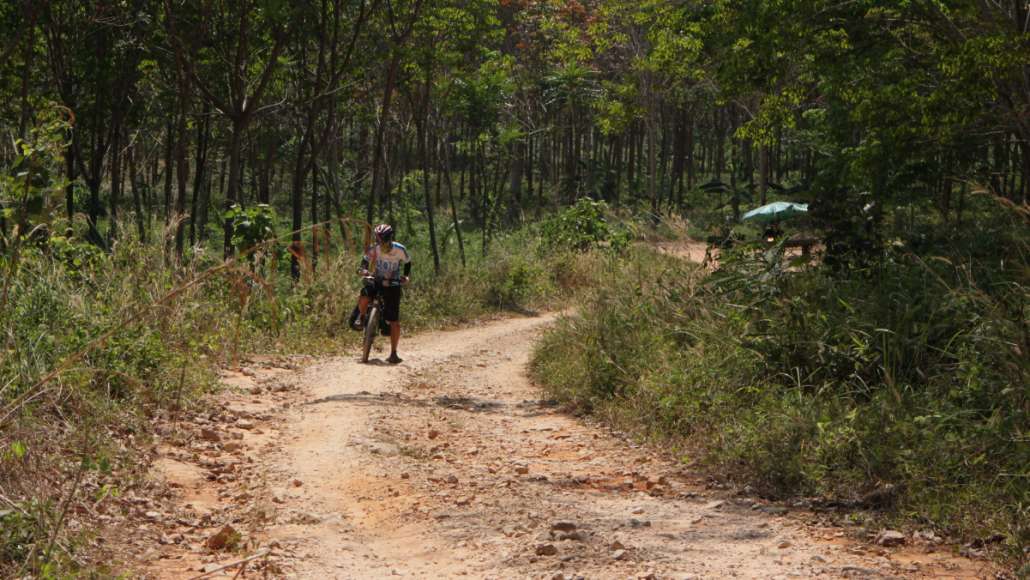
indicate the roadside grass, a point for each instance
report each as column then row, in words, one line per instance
column 902, row 386
column 97, row 345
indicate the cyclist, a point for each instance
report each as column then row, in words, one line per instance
column 389, row 263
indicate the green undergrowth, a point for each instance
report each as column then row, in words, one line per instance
column 905, row 379
column 98, row 344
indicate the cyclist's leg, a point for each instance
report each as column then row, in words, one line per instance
column 355, row 317
column 395, row 335
column 392, row 314
column 368, row 291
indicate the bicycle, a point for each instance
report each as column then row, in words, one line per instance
column 373, row 321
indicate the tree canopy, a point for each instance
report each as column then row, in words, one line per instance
column 325, row 106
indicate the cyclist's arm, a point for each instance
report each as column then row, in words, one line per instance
column 407, row 263
column 367, row 260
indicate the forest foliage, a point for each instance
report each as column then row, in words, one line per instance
column 188, row 180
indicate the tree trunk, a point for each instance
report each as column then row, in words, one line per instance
column 631, row 159
column 423, row 146
column 169, row 151
column 315, row 229
column 450, row 197
column 200, row 169
column 690, row 154
column 720, row 145
column 26, row 73
column 616, row 168
column 116, row 182
column 763, row 172
column 1025, row 148
column 137, row 204
column 377, row 151
column 183, row 172
column 69, row 190
column 570, row 186
column 517, row 165
column 679, row 154
column 664, row 184
column 231, row 193
column 205, row 196
column 297, row 202
column 530, row 152
column 652, row 161
column 265, row 172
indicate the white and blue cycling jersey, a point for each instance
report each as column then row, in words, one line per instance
column 386, row 266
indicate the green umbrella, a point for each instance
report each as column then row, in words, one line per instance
column 776, row 211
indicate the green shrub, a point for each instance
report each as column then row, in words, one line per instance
column 251, row 225
column 583, row 226
column 18, row 533
column 909, row 374
column 513, row 280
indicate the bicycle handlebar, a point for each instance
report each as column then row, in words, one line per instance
column 372, row 279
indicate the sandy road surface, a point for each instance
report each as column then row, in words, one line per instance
column 450, row 466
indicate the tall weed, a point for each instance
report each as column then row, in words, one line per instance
column 908, row 376
column 97, row 344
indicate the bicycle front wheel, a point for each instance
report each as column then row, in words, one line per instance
column 371, row 327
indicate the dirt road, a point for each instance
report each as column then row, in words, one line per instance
column 450, row 465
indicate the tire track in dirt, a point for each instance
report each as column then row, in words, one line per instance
column 451, row 466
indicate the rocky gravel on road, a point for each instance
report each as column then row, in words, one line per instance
column 453, row 466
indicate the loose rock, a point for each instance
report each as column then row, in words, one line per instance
column 546, row 550
column 306, row 518
column 563, row 526
column 890, row 538
column 226, row 537
column 573, row 536
column 928, row 536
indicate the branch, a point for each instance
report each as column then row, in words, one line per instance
column 13, row 44
column 260, row 554
column 188, row 67
column 266, row 75
column 362, row 16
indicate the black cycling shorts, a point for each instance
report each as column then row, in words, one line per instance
column 391, row 300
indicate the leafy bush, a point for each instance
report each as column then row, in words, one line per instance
column 514, row 280
column 17, row 535
column 581, row 227
column 31, row 186
column 79, row 257
column 908, row 375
